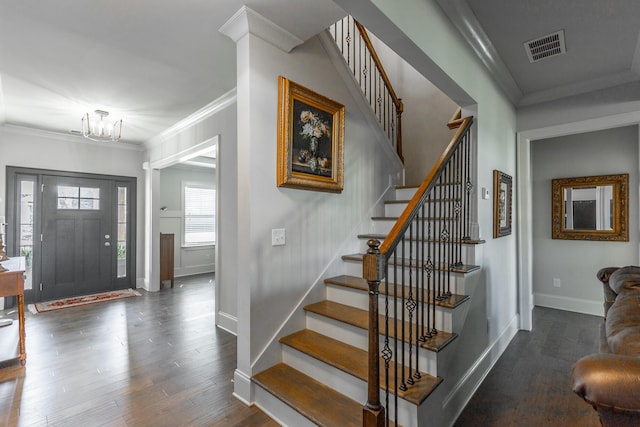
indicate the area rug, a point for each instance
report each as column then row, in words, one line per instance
column 59, row 304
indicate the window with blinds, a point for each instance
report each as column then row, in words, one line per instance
column 199, row 215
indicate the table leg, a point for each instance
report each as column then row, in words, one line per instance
column 23, row 352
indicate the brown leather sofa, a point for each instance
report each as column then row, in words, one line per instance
column 610, row 380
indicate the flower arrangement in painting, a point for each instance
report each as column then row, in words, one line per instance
column 313, row 128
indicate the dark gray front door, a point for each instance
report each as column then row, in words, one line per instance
column 76, row 236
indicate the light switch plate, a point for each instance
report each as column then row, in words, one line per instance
column 485, row 193
column 277, row 237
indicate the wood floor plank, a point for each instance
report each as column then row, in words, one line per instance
column 155, row 360
column 530, row 383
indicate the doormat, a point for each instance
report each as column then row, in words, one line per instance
column 41, row 307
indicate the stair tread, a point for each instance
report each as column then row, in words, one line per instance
column 359, row 283
column 465, row 268
column 314, row 400
column 360, row 319
column 354, row 361
column 414, row 239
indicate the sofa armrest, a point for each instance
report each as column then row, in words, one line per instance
column 604, row 273
column 608, row 381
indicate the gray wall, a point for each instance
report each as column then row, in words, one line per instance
column 575, row 263
column 188, row 260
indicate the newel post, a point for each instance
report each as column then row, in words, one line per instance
column 373, row 414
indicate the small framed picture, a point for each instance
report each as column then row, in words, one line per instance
column 502, row 191
column 310, row 139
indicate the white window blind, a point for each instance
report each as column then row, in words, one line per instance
column 199, row 215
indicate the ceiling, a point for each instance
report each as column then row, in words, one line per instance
column 155, row 62
column 602, row 48
column 150, row 62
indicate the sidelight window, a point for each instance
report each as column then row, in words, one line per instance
column 122, row 231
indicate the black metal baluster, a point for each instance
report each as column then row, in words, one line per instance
column 403, row 384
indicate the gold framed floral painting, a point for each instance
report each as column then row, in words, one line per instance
column 502, row 189
column 310, row 139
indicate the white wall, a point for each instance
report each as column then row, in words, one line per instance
column 575, row 262
column 220, row 126
column 425, row 134
column 188, row 260
column 319, row 226
column 46, row 150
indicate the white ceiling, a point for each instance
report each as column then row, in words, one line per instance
column 601, row 39
column 155, row 62
column 150, row 62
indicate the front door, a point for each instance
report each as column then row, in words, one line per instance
column 76, row 236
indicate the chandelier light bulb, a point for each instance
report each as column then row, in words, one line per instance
column 97, row 127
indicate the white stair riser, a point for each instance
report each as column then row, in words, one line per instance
column 360, row 299
column 278, row 410
column 405, row 193
column 408, row 193
column 456, row 282
column 436, row 209
column 346, row 384
column 359, row 338
column 467, row 255
column 384, row 226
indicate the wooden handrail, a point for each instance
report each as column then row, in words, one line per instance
column 411, row 211
column 397, row 102
column 371, row 76
column 376, row 59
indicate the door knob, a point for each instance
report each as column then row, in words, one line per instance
column 107, row 244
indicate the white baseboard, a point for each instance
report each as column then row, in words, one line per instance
column 465, row 388
column 243, row 387
column 569, row 304
column 194, row 269
column 227, row 322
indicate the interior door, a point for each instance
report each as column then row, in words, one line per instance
column 76, row 236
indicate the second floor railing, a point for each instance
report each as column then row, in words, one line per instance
column 357, row 49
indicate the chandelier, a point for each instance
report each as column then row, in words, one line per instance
column 97, row 127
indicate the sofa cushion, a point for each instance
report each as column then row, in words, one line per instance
column 623, row 322
column 620, row 276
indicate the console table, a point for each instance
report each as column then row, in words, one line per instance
column 166, row 258
column 12, row 284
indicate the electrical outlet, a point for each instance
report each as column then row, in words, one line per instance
column 556, row 283
column 277, row 237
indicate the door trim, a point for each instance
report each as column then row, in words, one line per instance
column 12, row 178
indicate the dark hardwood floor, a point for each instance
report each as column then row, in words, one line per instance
column 158, row 360
column 154, row 360
column 530, row 383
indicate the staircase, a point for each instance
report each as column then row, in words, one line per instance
column 416, row 264
column 322, row 379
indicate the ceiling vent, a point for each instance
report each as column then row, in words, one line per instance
column 545, row 47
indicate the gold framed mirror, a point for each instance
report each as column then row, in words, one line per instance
column 590, row 208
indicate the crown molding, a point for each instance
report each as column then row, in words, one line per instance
column 247, row 21
column 202, row 114
column 579, row 88
column 468, row 25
